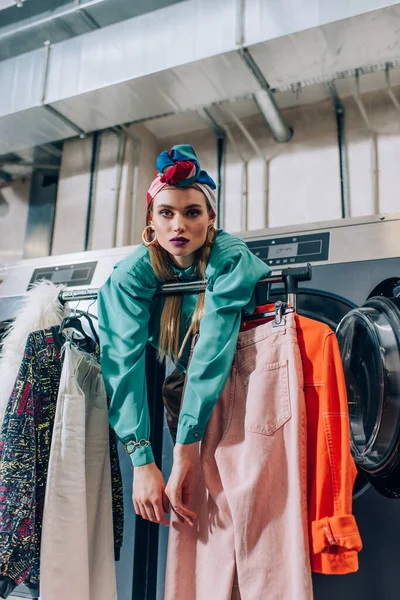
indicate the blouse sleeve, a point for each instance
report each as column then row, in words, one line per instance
column 124, row 312
column 230, row 289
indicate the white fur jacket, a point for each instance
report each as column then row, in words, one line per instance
column 40, row 309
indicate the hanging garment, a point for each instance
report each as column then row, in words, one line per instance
column 77, row 538
column 334, row 537
column 172, row 391
column 248, row 485
column 25, row 442
column 40, row 309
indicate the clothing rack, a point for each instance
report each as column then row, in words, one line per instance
column 290, row 276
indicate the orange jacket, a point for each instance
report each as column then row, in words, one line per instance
column 334, row 537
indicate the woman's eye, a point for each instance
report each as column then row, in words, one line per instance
column 193, row 212
column 165, row 213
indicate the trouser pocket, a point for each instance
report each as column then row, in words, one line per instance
column 267, row 398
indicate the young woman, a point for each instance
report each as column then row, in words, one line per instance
column 180, row 243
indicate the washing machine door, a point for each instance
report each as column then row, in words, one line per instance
column 369, row 340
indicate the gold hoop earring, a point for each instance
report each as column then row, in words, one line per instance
column 144, row 234
column 211, row 235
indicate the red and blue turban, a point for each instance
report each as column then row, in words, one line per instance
column 181, row 167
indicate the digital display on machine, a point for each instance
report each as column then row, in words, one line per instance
column 70, row 275
column 287, row 251
column 60, row 276
column 283, row 250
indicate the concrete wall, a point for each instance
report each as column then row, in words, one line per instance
column 73, row 192
column 14, row 219
column 299, row 182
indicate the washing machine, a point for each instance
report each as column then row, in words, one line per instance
column 355, row 289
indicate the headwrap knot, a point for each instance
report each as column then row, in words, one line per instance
column 181, row 167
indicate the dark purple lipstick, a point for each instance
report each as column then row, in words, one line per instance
column 179, row 241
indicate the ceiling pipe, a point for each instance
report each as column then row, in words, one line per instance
column 374, row 144
column 389, row 89
column 266, row 102
column 245, row 131
column 343, row 163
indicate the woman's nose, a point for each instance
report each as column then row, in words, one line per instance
column 179, row 226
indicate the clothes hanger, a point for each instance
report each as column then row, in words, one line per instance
column 85, row 341
column 281, row 309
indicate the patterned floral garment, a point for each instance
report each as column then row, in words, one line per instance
column 25, row 442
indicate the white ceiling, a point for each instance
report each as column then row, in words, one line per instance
column 288, row 98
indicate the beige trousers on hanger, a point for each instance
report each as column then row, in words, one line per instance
column 77, row 550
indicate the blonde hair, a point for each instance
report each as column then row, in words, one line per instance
column 170, row 321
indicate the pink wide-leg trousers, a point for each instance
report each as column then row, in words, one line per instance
column 248, row 485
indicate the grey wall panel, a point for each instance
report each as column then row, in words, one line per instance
column 42, row 207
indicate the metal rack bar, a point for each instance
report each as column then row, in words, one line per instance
column 299, row 273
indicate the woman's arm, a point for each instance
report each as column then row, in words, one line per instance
column 124, row 312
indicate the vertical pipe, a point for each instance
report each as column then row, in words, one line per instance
column 343, row 165
column 266, row 193
column 245, row 197
column 135, row 185
column 344, row 176
column 92, row 185
column 120, row 168
column 374, row 144
column 220, row 182
column 375, row 171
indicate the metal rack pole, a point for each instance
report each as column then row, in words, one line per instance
column 298, row 273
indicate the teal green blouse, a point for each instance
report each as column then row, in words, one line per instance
column 129, row 317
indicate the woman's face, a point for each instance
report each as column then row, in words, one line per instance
column 181, row 220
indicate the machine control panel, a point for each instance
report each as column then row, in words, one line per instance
column 287, row 251
column 70, row 275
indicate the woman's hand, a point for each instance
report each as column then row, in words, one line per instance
column 178, row 486
column 148, row 494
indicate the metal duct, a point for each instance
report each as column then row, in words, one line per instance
column 267, row 106
column 266, row 102
column 135, row 70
